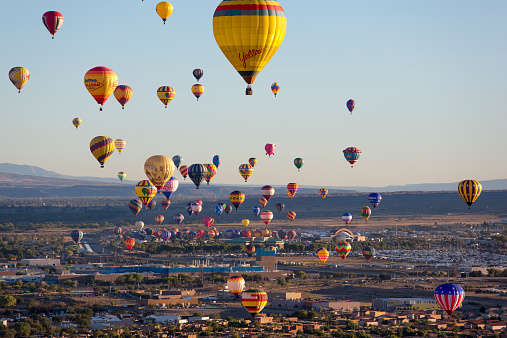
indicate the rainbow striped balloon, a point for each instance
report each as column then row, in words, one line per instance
column 254, row 301
column 343, row 249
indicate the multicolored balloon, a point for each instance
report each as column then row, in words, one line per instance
column 368, row 252
column 263, row 202
column 197, row 90
column 266, row 216
column 291, row 215
column 469, row 190
column 184, row 171
column 145, row 190
column 77, row 122
column 280, row 207
column 197, row 173
column 122, row 175
column 291, row 234
column 374, row 199
column 267, row 191
column 179, row 218
column 270, row 149
column 170, row 187
column 323, row 254
column 100, row 83
column 120, row 144
column 237, row 198
column 250, row 249
column 246, row 170
column 292, row 188
column 76, row 236
column 102, row 148
column 165, row 235
column 343, row 249
column 198, row 73
column 299, row 162
column 212, row 171
column 19, row 77
column 207, row 221
column 164, row 10
column 196, row 208
column 275, row 88
column 252, row 161
column 129, row 243
column 118, row 231
column 135, row 206
column 165, row 204
column 152, row 204
column 254, row 301
column 177, row 159
column 52, row 20
column 219, row 210
column 366, row 213
column 159, row 219
column 123, row 94
column 449, row 296
column 255, row 44
column 236, row 284
column 256, row 211
column 352, row 155
column 228, row 209
column 347, row 218
column 216, row 161
column 166, row 94
column 159, row 169
column 350, row 105
column 323, row 192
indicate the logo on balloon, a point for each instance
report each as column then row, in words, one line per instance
column 92, row 84
column 250, row 54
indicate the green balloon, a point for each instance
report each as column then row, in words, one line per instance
column 298, row 162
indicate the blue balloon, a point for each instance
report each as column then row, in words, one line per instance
column 216, row 160
column 256, row 211
column 374, row 199
column 219, row 210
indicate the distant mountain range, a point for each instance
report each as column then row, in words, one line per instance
column 29, row 181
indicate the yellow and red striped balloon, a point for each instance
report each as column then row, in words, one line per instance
column 197, row 90
column 123, row 94
column 246, row 170
column 292, row 188
column 102, row 148
column 263, row 202
column 254, row 301
column 323, row 254
column 323, row 192
column 120, row 144
column 184, row 171
column 100, row 83
column 291, row 215
column 145, row 190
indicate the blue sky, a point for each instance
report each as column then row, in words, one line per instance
column 429, row 80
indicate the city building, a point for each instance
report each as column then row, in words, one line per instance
column 388, row 304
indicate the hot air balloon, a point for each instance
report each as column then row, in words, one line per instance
column 263, row 202
column 135, row 206
column 246, row 171
column 166, row 94
column 246, row 233
column 228, row 209
column 118, row 231
column 236, row 284
column 291, row 234
column 198, row 202
column 120, row 144
column 19, row 77
column 184, row 171
column 196, row 208
column 212, row 171
column 350, row 105
column 352, row 155
column 249, row 34
column 347, row 217
column 252, row 161
column 368, row 252
column 177, row 159
column 254, row 301
column 140, row 225
column 366, row 212
column 257, row 233
column 449, row 296
column 256, row 211
column 267, row 191
column 197, row 90
column 152, row 204
column 52, row 20
column 469, row 190
column 323, row 254
column 207, row 221
column 219, row 210
column 100, row 83
column 266, row 216
column 164, row 10
column 280, row 207
column 102, row 148
column 122, row 175
column 270, row 149
column 292, row 188
column 179, row 218
column 165, row 235
column 198, row 73
column 291, row 215
column 159, row 219
column 159, row 169
column 282, row 234
column 237, row 198
column 216, row 161
column 129, row 243
column 374, row 199
column 323, row 192
column 245, row 222
column 145, row 190
column 165, row 204
column 170, row 187
column 123, row 94
column 275, row 88
column 266, row 233
column 77, row 122
column 76, row 236
column 343, row 249
column 197, row 173
column 250, row 249
column 299, row 162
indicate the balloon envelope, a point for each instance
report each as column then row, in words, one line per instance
column 122, row 175
column 170, row 187
column 145, row 190
column 237, row 198
column 198, row 73
column 343, row 249
column 52, row 20
column 164, row 10
column 135, row 206
column 177, row 159
column 449, row 296
column 292, row 188
column 280, row 207
column 323, row 254
column 245, row 222
column 159, row 169
column 352, row 155
column 254, row 301
column 266, row 216
column 469, row 190
column 270, row 149
column 252, row 161
column 100, row 83
column 374, row 199
column 123, row 94
column 76, row 236
column 102, row 148
column 366, row 212
column 120, row 144
column 77, row 122
column 256, row 211
column 323, row 192
column 198, row 90
column 236, row 284
column 350, row 105
column 197, row 173
column 166, row 94
column 275, row 88
column 267, row 191
column 19, row 77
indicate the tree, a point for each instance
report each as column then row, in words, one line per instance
column 23, row 329
column 7, row 301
